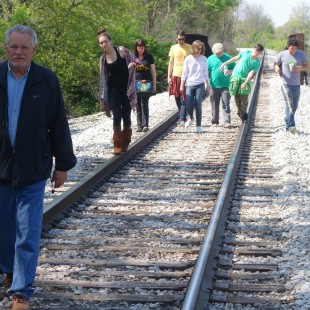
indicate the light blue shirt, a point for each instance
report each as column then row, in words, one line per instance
column 15, row 93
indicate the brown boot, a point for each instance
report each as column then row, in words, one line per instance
column 20, row 302
column 117, row 140
column 7, row 283
column 126, row 133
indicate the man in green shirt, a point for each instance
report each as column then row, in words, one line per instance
column 240, row 82
column 219, row 81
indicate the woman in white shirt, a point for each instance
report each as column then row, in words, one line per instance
column 195, row 83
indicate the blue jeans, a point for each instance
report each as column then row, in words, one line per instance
column 194, row 96
column 182, row 108
column 21, row 210
column 293, row 92
column 217, row 95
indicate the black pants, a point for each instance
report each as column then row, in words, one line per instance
column 120, row 107
column 143, row 111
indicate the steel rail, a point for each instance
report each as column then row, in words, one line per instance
column 197, row 294
column 55, row 208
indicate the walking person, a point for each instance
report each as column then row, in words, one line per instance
column 146, row 71
column 219, row 82
column 177, row 54
column 289, row 64
column 117, row 88
column 195, row 83
column 33, row 131
column 240, row 81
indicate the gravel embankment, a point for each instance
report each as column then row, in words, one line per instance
column 290, row 155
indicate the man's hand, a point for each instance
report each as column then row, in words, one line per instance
column 59, row 178
column 277, row 69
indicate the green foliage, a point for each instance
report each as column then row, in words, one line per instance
column 68, row 41
column 160, row 52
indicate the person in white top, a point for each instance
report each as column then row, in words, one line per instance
column 195, row 83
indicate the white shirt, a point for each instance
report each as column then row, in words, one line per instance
column 195, row 70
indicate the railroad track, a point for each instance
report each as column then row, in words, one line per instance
column 132, row 230
column 243, row 263
column 134, row 238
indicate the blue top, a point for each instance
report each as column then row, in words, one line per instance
column 15, row 93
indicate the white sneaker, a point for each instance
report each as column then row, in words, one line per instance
column 190, row 122
column 198, row 129
column 181, row 124
column 292, row 130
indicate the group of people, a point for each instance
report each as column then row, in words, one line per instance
column 35, row 140
column 119, row 69
column 191, row 76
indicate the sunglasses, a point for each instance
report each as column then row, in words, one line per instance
column 181, row 39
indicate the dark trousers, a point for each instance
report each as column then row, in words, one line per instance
column 242, row 105
column 120, row 107
column 143, row 111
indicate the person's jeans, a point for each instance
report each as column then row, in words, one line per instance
column 182, row 108
column 293, row 92
column 217, row 95
column 21, row 210
column 143, row 111
column 120, row 107
column 194, row 96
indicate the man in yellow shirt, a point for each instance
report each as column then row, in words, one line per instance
column 177, row 54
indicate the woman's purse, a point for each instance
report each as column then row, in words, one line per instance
column 144, row 87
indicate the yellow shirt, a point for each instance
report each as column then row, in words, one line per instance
column 179, row 52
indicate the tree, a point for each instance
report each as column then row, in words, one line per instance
column 253, row 27
column 67, row 35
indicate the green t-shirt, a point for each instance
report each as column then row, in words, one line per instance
column 246, row 64
column 217, row 78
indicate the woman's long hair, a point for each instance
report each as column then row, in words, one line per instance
column 140, row 42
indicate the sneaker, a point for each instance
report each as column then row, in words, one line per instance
column 227, row 125
column 244, row 118
column 190, row 122
column 139, row 130
column 145, row 129
column 20, row 302
column 7, row 282
column 198, row 129
column 214, row 124
column 181, row 123
column 292, row 130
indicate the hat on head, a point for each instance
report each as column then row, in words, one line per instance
column 217, row 48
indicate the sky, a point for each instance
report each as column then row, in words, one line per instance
column 278, row 10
